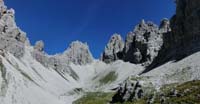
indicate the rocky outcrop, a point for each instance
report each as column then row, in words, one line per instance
column 128, row 91
column 39, row 46
column 12, row 39
column 39, row 54
column 143, row 44
column 78, row 53
column 113, row 50
column 164, row 26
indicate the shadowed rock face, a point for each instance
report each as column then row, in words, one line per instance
column 184, row 37
column 113, row 50
column 186, row 26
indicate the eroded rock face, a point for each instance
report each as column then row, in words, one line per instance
column 142, row 45
column 78, row 53
column 113, row 50
column 12, row 39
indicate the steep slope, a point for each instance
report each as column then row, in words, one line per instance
column 181, row 71
column 26, row 81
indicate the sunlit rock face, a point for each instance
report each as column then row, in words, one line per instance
column 113, row 50
column 78, row 53
column 12, row 38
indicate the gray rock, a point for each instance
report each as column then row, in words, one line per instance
column 39, row 46
column 62, row 68
column 165, row 26
column 41, row 57
column 128, row 91
column 113, row 50
column 12, row 39
column 151, row 99
column 2, row 53
column 3, row 8
column 78, row 53
column 142, row 45
column 12, row 45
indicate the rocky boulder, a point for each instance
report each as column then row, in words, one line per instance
column 128, row 91
column 113, row 50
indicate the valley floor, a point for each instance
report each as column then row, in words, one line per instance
column 186, row 93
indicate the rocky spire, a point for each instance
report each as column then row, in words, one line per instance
column 39, row 46
column 165, row 26
column 114, row 48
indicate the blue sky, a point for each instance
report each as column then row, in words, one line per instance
column 59, row 22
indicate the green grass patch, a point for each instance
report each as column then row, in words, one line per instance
column 110, row 77
column 190, row 94
column 102, row 98
column 95, row 98
column 189, row 91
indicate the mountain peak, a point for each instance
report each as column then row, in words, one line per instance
column 113, row 49
column 79, row 53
